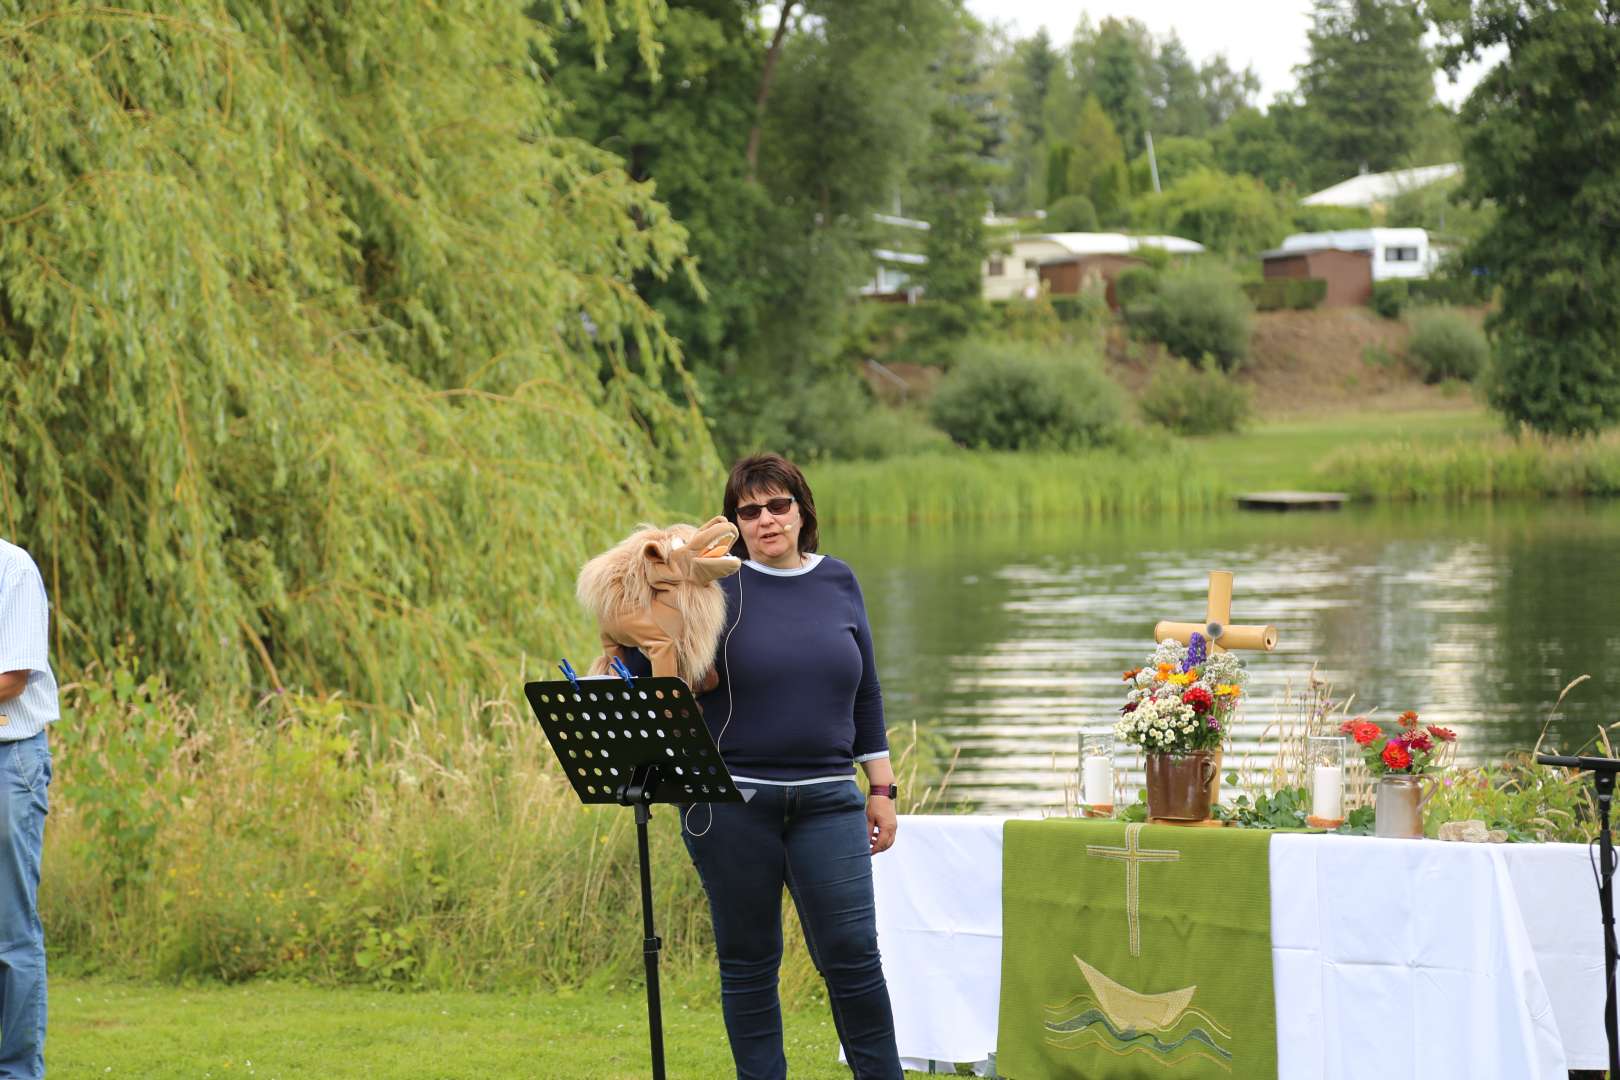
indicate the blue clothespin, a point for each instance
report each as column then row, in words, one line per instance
column 623, row 672
column 568, row 673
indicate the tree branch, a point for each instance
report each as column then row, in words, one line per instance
column 764, row 91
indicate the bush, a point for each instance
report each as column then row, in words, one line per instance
column 1013, row 397
column 836, row 417
column 1330, row 218
column 1445, row 344
column 1197, row 311
column 1134, row 286
column 1037, row 320
column 1225, row 213
column 1072, row 213
column 1083, row 307
column 1448, row 289
column 1194, row 399
column 1275, row 294
column 906, row 333
column 1389, row 298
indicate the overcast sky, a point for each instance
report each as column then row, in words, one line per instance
column 1267, row 35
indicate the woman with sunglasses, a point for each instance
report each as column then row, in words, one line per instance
column 797, row 706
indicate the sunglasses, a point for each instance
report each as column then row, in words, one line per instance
column 777, row 506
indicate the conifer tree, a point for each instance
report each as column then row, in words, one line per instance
column 1366, row 87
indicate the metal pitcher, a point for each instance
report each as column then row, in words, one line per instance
column 1398, row 805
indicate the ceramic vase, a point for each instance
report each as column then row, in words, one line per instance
column 1179, row 785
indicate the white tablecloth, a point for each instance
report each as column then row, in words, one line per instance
column 1393, row 959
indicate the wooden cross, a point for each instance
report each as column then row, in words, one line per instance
column 1215, row 628
column 1133, row 857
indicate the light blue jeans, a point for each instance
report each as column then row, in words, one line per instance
column 25, row 773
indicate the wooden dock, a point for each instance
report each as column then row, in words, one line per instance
column 1292, row 500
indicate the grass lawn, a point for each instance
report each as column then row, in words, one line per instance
column 276, row 1031
column 1282, row 454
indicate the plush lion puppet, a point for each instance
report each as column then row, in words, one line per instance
column 656, row 590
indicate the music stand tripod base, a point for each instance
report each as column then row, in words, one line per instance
column 634, row 742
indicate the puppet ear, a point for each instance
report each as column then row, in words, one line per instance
column 653, row 552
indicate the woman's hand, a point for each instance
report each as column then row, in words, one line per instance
column 881, row 822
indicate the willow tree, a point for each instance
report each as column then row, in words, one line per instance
column 320, row 366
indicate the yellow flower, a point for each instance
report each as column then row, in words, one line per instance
column 1227, row 690
column 1183, row 679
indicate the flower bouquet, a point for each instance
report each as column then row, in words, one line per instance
column 1177, row 710
column 1413, row 750
column 1402, row 763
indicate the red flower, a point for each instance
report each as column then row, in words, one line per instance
column 1362, row 730
column 1419, row 740
column 1131, row 674
column 1443, row 734
column 1408, row 719
column 1128, row 707
column 1200, row 699
column 1396, row 756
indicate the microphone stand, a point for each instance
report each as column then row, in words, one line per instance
column 1603, row 772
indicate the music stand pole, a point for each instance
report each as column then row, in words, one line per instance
column 1603, row 772
column 637, row 793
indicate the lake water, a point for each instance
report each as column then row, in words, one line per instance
column 1005, row 640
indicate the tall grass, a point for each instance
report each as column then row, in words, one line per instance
column 978, row 486
column 1501, row 467
column 291, row 841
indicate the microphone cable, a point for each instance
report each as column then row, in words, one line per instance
column 731, row 707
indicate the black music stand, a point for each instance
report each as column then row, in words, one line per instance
column 634, row 742
column 1603, row 771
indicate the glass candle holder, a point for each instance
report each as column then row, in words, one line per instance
column 1324, row 759
column 1097, row 772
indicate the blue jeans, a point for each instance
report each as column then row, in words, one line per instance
column 813, row 839
column 25, row 772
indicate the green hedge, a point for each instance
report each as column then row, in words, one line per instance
column 1391, row 298
column 1275, row 294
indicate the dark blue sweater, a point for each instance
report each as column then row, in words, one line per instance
column 798, row 663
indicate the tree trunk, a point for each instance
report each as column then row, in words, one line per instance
column 764, row 92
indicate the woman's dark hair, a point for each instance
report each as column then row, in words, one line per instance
column 765, row 472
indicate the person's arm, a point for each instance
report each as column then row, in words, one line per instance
column 12, row 684
column 882, row 818
column 871, row 739
column 26, row 628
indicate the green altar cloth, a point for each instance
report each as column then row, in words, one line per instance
column 1135, row 951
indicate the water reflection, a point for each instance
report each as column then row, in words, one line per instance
column 1007, row 639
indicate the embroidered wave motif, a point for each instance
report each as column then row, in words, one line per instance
column 1081, row 1023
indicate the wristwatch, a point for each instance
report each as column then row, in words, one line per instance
column 888, row 791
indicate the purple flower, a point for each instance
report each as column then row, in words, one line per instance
column 1214, row 724
column 1197, row 652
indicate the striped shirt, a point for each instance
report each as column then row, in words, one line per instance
column 25, row 615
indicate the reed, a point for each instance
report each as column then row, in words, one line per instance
column 1505, row 466
column 979, row 486
column 291, row 841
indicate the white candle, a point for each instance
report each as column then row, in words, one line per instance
column 1099, row 781
column 1327, row 793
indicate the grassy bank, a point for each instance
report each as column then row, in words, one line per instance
column 1289, row 453
column 1494, row 467
column 277, row 1031
column 1448, row 453
column 969, row 486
